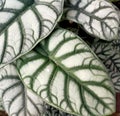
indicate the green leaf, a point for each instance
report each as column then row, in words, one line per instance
column 66, row 74
column 16, row 99
column 98, row 17
column 24, row 23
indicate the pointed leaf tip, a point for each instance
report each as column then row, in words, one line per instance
column 70, row 77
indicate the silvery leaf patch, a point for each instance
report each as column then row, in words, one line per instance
column 98, row 17
column 64, row 72
column 24, row 23
column 16, row 99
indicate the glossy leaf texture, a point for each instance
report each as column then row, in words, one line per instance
column 24, row 23
column 109, row 53
column 98, row 17
column 67, row 75
column 16, row 99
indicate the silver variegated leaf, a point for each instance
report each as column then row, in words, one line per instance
column 16, row 99
column 113, row 65
column 102, row 49
column 116, row 79
column 10, row 10
column 98, row 17
column 66, row 74
column 51, row 111
column 24, row 23
column 113, row 62
column 109, row 53
column 116, row 45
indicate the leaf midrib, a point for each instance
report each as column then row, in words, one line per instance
column 92, row 16
column 80, row 83
column 62, row 67
column 74, row 78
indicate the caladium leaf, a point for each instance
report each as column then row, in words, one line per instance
column 66, row 74
column 23, row 23
column 16, row 99
column 97, row 17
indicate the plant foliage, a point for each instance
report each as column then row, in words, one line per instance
column 24, row 24
column 57, row 75
column 109, row 53
column 42, row 63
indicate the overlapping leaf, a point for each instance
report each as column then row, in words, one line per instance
column 23, row 23
column 10, row 10
column 109, row 53
column 16, row 99
column 51, row 111
column 116, row 45
column 116, row 79
column 102, row 49
column 65, row 73
column 113, row 66
column 113, row 62
column 97, row 17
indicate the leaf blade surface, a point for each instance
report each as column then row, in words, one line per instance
column 66, row 74
column 28, row 24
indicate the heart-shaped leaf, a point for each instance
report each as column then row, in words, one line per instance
column 23, row 23
column 16, row 99
column 66, row 74
column 98, row 17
